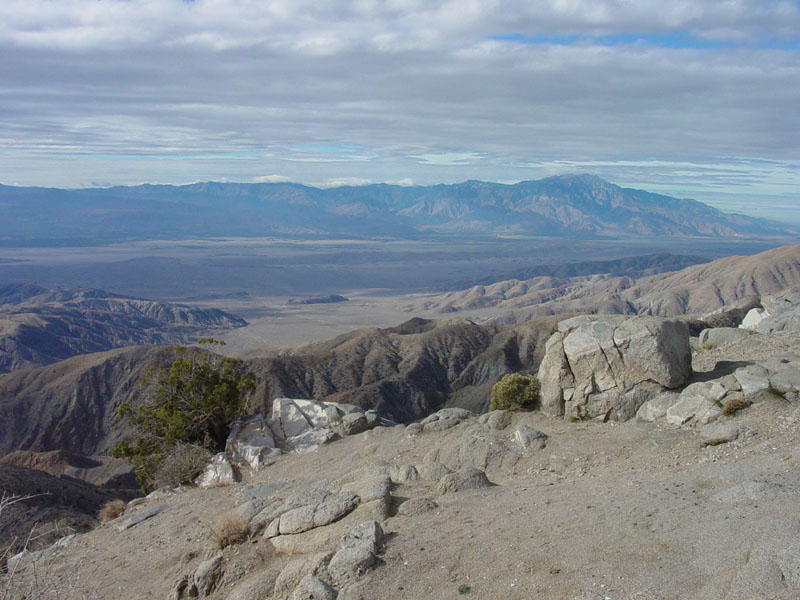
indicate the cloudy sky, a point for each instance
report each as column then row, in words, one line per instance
column 697, row 99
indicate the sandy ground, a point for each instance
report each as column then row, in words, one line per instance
column 272, row 321
column 605, row 511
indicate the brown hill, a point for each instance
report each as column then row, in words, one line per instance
column 695, row 290
column 41, row 326
column 71, row 405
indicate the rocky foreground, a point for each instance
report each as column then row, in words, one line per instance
column 501, row 505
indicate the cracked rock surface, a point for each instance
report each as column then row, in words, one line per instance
column 610, row 366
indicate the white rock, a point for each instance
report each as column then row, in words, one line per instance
column 697, row 403
column 753, row 318
column 219, row 471
column 657, row 407
column 251, row 442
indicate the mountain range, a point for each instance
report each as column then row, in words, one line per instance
column 39, row 326
column 570, row 205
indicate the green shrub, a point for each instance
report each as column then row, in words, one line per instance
column 515, row 391
column 193, row 402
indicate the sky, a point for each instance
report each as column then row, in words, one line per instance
column 695, row 99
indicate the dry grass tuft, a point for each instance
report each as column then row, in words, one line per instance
column 228, row 530
column 111, row 510
column 731, row 406
column 181, row 465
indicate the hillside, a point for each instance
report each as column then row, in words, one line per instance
column 574, row 205
column 404, row 372
column 40, row 326
column 694, row 290
column 605, row 510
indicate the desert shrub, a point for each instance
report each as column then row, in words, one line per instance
column 703, row 347
column 111, row 510
column 730, row 406
column 181, row 465
column 228, row 530
column 194, row 401
column 515, row 391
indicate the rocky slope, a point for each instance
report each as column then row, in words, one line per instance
column 56, row 507
column 696, row 289
column 40, row 326
column 591, row 511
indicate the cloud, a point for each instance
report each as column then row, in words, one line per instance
column 691, row 96
column 343, row 181
column 271, row 179
column 448, row 159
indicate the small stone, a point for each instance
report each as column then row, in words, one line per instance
column 416, row 506
column 219, row 471
column 528, row 438
column 204, row 578
column 369, row 533
column 313, row 588
column 354, row 423
column 712, row 435
column 498, row 419
column 351, row 562
column 141, row 516
column 465, row 479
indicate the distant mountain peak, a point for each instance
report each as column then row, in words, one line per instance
column 569, row 205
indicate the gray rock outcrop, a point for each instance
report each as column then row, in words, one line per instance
column 782, row 312
column 610, row 366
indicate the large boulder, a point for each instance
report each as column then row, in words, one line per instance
column 610, row 366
